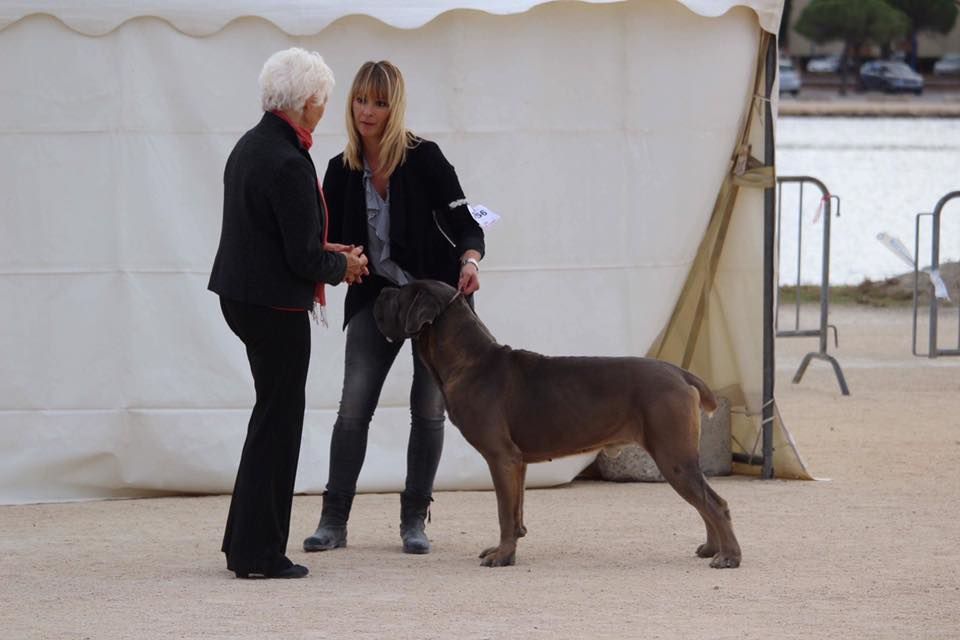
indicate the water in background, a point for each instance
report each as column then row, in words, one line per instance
column 885, row 171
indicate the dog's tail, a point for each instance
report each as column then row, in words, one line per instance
column 708, row 401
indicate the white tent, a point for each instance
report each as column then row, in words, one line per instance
column 602, row 132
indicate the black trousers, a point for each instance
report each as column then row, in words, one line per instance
column 278, row 348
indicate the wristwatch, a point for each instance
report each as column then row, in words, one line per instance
column 472, row 261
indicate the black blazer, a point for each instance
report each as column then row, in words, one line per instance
column 271, row 242
column 427, row 234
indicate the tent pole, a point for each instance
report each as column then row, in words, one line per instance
column 769, row 232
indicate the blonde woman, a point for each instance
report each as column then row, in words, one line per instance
column 396, row 195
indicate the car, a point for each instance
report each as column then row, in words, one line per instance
column 890, row 77
column 824, row 64
column 949, row 64
column 789, row 77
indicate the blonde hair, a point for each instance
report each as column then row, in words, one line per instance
column 380, row 81
column 290, row 77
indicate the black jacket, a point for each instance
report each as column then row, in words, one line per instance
column 271, row 242
column 427, row 235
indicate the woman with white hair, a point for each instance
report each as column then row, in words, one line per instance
column 394, row 193
column 270, row 269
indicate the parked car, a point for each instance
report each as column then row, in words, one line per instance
column 949, row 64
column 824, row 64
column 890, row 76
column 789, row 77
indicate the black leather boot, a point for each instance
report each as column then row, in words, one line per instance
column 414, row 514
column 331, row 533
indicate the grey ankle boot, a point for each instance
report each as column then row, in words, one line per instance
column 331, row 533
column 414, row 514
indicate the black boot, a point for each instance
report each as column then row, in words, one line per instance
column 331, row 533
column 414, row 513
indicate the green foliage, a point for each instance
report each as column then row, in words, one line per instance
column 928, row 15
column 890, row 292
column 854, row 22
column 867, row 294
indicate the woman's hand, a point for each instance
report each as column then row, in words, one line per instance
column 469, row 272
column 356, row 265
column 469, row 279
column 356, row 261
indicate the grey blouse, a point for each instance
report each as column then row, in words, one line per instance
column 378, row 221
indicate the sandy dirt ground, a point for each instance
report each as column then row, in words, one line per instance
column 871, row 553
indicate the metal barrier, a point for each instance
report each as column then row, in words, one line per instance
column 826, row 200
column 933, row 351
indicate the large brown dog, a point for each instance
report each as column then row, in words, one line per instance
column 516, row 407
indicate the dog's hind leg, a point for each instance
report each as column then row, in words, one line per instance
column 687, row 479
column 723, row 548
column 712, row 546
column 676, row 452
column 507, row 472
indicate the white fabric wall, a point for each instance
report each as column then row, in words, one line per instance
column 600, row 132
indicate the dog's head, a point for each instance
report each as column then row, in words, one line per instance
column 404, row 312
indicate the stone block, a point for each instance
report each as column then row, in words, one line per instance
column 633, row 464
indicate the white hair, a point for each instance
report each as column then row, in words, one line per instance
column 290, row 77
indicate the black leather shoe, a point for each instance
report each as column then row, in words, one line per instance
column 293, row 571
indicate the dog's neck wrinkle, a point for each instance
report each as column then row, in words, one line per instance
column 471, row 336
column 461, row 306
column 475, row 334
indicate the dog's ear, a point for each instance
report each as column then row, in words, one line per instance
column 423, row 310
column 386, row 314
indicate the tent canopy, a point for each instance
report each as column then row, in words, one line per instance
column 602, row 132
column 310, row 17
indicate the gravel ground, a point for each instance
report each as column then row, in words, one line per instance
column 869, row 553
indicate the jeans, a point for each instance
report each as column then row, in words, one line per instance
column 368, row 359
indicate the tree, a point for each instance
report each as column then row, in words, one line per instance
column 926, row 15
column 853, row 22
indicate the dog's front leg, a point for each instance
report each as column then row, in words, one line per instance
column 521, row 491
column 507, row 473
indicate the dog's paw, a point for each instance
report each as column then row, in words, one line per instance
column 706, row 550
column 725, row 561
column 494, row 557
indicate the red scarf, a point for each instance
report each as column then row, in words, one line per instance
column 305, row 137
column 306, row 141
